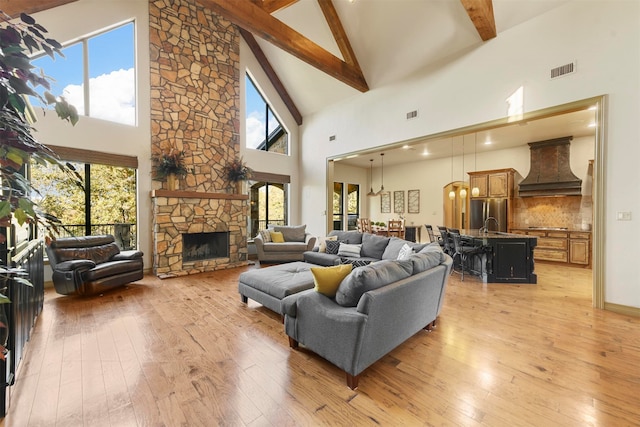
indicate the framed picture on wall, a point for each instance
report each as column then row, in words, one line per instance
column 385, row 202
column 413, row 201
column 398, row 201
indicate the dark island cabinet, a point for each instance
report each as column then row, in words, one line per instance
column 505, row 257
column 510, row 261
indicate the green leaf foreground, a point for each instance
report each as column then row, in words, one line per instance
column 19, row 39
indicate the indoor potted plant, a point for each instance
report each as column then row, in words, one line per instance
column 18, row 80
column 237, row 172
column 18, row 146
column 169, row 165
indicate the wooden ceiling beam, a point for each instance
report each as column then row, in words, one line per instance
column 481, row 14
column 271, row 75
column 247, row 15
column 271, row 6
column 14, row 8
column 338, row 32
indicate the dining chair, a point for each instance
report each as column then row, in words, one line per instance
column 396, row 228
column 365, row 225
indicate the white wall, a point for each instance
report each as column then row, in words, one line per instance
column 602, row 36
column 81, row 18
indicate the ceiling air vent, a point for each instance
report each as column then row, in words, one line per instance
column 332, row 138
column 412, row 114
column 563, row 70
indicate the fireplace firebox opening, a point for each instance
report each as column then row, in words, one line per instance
column 202, row 246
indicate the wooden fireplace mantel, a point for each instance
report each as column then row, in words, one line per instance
column 197, row 195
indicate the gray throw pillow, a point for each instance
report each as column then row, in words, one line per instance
column 292, row 233
column 370, row 277
column 333, row 246
column 349, row 250
column 373, row 246
column 425, row 261
column 393, row 248
column 265, row 235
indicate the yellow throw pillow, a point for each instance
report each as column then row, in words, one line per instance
column 277, row 237
column 327, row 279
column 323, row 244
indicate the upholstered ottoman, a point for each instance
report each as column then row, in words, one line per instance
column 270, row 285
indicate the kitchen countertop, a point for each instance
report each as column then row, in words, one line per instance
column 474, row 233
column 551, row 229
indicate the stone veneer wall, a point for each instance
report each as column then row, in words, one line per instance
column 195, row 86
column 572, row 212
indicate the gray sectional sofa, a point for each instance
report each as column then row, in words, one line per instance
column 372, row 248
column 377, row 307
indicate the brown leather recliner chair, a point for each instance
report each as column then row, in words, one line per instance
column 92, row 264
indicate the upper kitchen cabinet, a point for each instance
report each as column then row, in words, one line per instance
column 493, row 183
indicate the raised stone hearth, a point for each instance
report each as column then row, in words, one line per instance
column 177, row 213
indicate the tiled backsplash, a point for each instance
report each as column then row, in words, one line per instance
column 573, row 212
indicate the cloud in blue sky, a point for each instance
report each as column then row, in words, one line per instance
column 112, row 97
column 255, row 129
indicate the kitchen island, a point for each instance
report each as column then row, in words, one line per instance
column 505, row 258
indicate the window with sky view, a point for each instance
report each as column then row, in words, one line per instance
column 111, row 75
column 264, row 130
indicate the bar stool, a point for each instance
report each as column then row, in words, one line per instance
column 463, row 252
column 432, row 236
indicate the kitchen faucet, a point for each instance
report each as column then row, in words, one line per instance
column 485, row 229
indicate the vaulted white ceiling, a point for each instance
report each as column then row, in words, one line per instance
column 392, row 39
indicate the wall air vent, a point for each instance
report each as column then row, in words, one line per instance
column 563, row 70
column 412, row 114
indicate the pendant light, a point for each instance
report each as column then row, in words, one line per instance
column 475, row 191
column 463, row 191
column 381, row 173
column 452, row 194
column 371, row 192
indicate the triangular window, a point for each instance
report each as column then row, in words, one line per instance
column 264, row 131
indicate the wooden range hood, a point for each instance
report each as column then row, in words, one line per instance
column 550, row 172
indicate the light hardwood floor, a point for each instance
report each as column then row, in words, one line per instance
column 187, row 352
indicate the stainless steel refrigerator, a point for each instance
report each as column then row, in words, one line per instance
column 481, row 209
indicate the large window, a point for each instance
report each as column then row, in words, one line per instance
column 268, row 203
column 264, row 130
column 97, row 75
column 105, row 204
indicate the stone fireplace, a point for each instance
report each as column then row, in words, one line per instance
column 180, row 213
column 195, row 96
